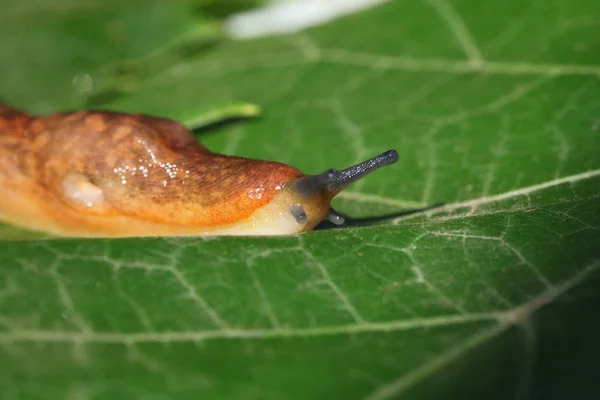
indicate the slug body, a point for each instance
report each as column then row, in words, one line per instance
column 109, row 174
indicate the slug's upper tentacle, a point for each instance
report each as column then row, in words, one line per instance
column 333, row 181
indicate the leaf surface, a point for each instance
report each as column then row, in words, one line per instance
column 494, row 110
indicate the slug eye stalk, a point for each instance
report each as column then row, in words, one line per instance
column 334, row 181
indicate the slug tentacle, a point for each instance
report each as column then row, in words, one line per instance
column 334, row 181
column 335, row 217
column 350, row 175
column 110, row 174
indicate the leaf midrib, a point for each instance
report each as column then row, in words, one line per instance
column 296, row 56
column 504, row 318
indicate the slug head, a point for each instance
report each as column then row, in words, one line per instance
column 308, row 197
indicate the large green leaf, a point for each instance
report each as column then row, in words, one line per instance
column 494, row 108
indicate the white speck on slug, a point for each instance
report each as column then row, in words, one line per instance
column 256, row 193
column 79, row 190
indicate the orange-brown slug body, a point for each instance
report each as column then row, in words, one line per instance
column 109, row 174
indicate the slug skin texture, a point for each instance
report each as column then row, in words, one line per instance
column 107, row 174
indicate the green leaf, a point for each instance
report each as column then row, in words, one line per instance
column 72, row 55
column 494, row 111
column 57, row 61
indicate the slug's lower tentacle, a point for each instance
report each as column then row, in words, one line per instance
column 335, row 217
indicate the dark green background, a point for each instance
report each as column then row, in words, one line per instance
column 494, row 109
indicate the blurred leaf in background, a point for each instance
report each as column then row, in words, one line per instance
column 494, row 109
column 59, row 55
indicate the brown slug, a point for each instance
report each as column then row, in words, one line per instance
column 110, row 174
